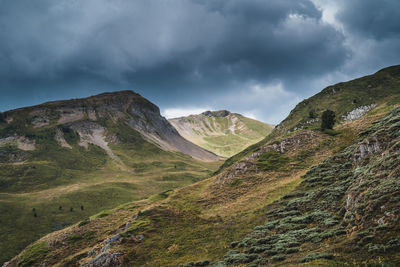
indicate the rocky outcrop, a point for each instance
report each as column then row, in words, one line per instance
column 218, row 113
column 358, row 112
column 126, row 106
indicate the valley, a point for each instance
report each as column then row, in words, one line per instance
column 300, row 196
column 64, row 161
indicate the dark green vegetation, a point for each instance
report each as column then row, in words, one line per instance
column 327, row 119
column 40, row 172
column 33, row 254
column 345, row 210
column 301, row 196
column 273, row 161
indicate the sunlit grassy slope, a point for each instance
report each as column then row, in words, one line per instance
column 221, row 132
column 300, row 196
column 50, row 180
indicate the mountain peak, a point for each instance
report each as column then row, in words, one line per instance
column 218, row 113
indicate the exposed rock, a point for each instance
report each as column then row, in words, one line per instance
column 91, row 252
column 358, row 112
column 114, row 238
column 139, row 237
column 40, row 121
column 105, row 259
column 105, row 248
column 60, row 139
column 25, row 144
column 21, row 142
column 381, row 221
column 369, row 146
column 219, row 113
column 93, row 133
column 126, row 106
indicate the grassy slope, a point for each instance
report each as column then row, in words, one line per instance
column 213, row 134
column 345, row 212
column 204, row 217
column 381, row 88
column 207, row 216
column 53, row 176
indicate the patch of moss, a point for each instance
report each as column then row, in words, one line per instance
column 273, row 161
column 101, row 214
column 33, row 254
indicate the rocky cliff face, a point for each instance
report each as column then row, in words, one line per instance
column 88, row 116
column 221, row 132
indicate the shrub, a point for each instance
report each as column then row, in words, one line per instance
column 316, row 256
column 74, row 238
column 278, row 258
column 84, row 222
column 328, row 119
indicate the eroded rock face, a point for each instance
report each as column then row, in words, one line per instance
column 219, row 113
column 126, row 106
column 368, row 147
column 105, row 259
column 358, row 112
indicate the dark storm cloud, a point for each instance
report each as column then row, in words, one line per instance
column 254, row 56
column 156, row 46
column 371, row 19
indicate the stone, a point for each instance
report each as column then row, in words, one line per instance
column 105, row 259
column 114, row 238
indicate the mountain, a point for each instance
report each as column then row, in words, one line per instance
column 221, row 132
column 65, row 160
column 301, row 196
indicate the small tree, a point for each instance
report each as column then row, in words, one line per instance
column 328, row 119
column 311, row 114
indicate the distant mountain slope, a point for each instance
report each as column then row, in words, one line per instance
column 300, row 197
column 221, row 132
column 85, row 116
column 96, row 152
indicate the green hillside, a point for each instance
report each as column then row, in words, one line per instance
column 46, row 170
column 221, row 132
column 300, row 197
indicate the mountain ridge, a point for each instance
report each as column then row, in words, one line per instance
column 221, row 132
column 145, row 118
column 97, row 152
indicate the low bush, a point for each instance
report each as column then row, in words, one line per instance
column 316, row 256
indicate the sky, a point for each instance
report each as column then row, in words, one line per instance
column 254, row 57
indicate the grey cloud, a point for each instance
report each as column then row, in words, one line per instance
column 122, row 39
column 179, row 51
column 371, row 19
